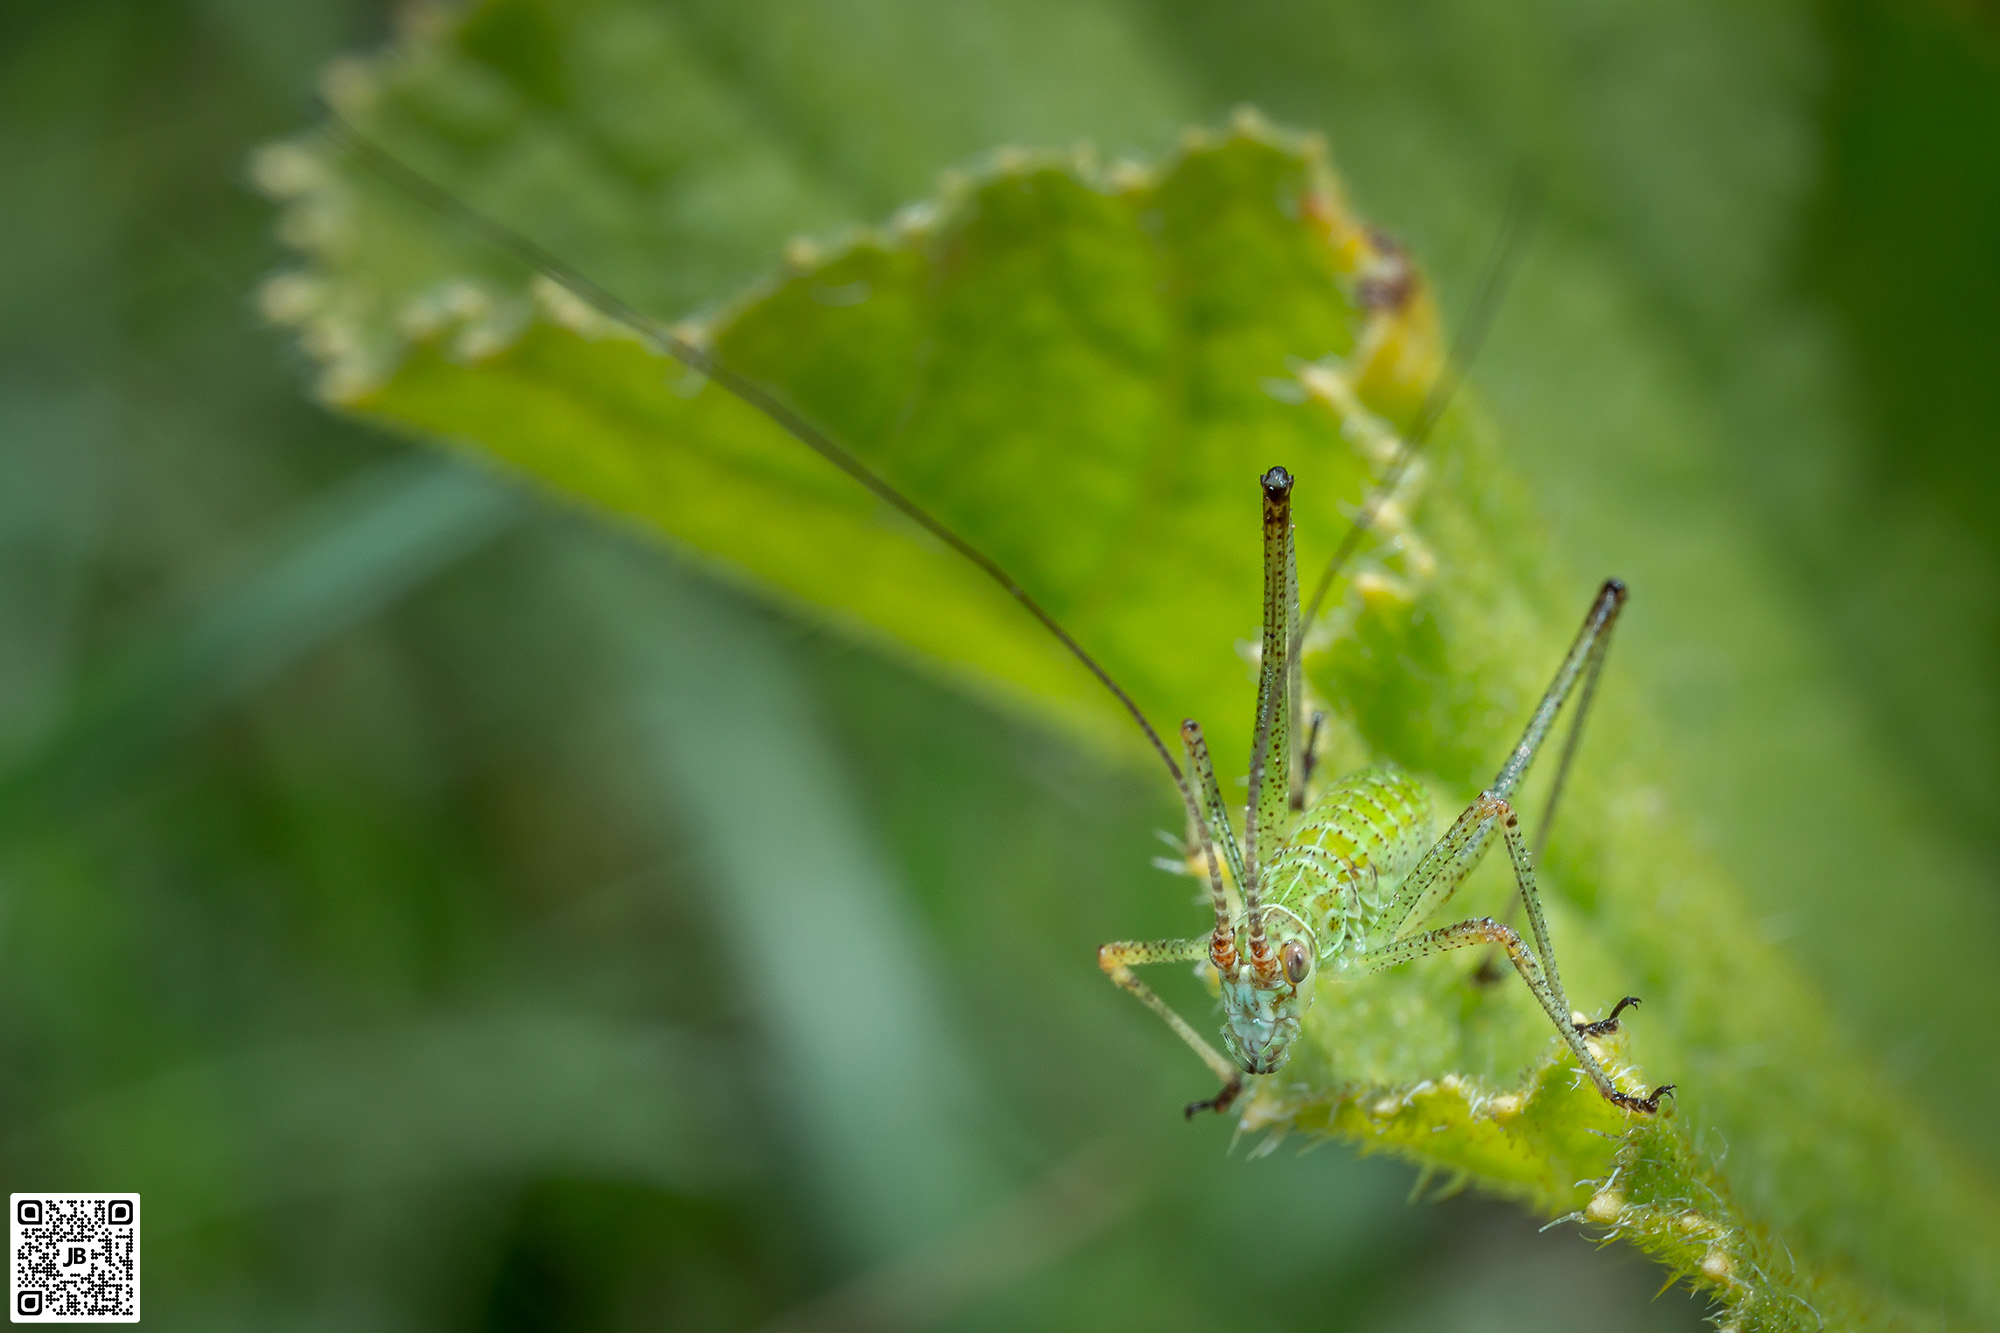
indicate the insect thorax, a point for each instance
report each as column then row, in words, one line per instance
column 1348, row 852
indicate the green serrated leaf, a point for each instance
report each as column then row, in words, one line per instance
column 1083, row 370
column 1142, row 327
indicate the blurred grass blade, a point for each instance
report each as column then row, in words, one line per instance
column 511, row 1095
column 345, row 556
column 50, row 483
column 814, row 933
column 926, row 1287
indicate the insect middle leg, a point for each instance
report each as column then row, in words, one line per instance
column 1120, row 958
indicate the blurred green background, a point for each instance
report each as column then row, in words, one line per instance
column 400, row 874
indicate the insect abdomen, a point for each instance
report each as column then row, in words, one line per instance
column 1349, row 851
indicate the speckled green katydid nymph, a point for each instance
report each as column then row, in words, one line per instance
column 1339, row 882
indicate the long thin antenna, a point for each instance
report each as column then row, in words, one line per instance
column 1523, row 204
column 665, row 340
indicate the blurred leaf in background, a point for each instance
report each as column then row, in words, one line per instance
column 410, row 963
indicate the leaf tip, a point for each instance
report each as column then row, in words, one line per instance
column 1247, row 122
column 349, row 84
column 1605, row 1207
column 1011, row 160
column 1129, row 176
column 914, row 221
column 1196, row 138
column 289, row 298
column 803, row 254
column 286, row 170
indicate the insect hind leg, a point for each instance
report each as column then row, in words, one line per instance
column 1578, row 674
column 1455, row 855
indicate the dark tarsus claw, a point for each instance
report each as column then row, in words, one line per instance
column 1650, row 1104
column 1607, row 1025
column 1221, row 1101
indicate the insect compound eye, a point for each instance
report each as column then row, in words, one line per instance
column 1295, row 960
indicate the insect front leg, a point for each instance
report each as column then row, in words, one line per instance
column 1454, row 857
column 1120, row 958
